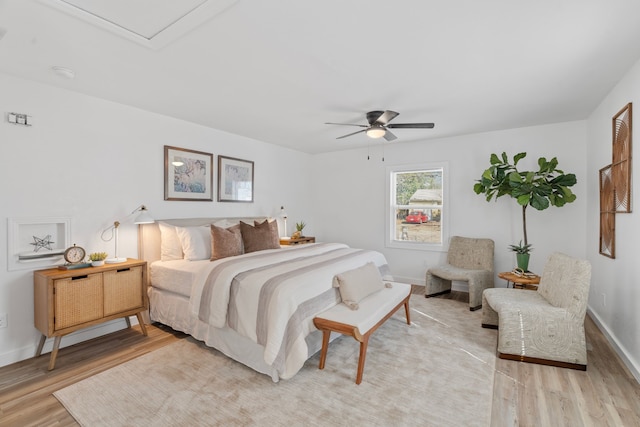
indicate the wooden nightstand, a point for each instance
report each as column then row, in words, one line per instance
column 68, row 300
column 300, row 241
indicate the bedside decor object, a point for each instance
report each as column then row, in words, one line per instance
column 142, row 218
column 235, row 180
column 548, row 186
column 298, row 233
column 97, row 258
column 188, row 174
column 74, row 256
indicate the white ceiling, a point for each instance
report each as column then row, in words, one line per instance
column 278, row 70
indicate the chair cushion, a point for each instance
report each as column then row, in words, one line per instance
column 449, row 272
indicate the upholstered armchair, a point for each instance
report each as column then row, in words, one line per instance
column 544, row 326
column 468, row 260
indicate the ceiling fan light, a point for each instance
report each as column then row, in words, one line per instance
column 376, row 132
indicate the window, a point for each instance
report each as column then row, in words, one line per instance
column 416, row 208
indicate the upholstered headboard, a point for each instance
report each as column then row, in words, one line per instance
column 149, row 234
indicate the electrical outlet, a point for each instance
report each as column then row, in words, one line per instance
column 3, row 320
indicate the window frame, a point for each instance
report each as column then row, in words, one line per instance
column 390, row 211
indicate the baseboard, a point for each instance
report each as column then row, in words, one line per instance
column 28, row 351
column 619, row 349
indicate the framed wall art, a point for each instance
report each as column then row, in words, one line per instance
column 621, row 161
column 36, row 243
column 188, row 174
column 235, row 180
column 607, row 214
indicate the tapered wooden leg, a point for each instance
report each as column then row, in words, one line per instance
column 325, row 347
column 126, row 319
column 406, row 310
column 363, row 355
column 143, row 328
column 40, row 345
column 54, row 352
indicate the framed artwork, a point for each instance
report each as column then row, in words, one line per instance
column 188, row 174
column 621, row 161
column 235, row 180
column 607, row 213
column 36, row 243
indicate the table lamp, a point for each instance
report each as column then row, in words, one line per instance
column 142, row 218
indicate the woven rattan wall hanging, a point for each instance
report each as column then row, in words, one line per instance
column 615, row 181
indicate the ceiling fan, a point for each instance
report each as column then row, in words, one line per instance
column 379, row 125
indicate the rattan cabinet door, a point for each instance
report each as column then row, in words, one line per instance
column 77, row 300
column 122, row 290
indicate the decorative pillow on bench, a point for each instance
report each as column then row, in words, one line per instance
column 359, row 283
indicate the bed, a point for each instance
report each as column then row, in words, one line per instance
column 256, row 307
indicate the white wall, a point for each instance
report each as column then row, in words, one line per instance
column 614, row 299
column 350, row 196
column 95, row 161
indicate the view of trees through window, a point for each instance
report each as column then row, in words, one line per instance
column 418, row 206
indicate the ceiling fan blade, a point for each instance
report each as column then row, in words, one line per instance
column 373, row 116
column 387, row 116
column 346, row 124
column 389, row 136
column 411, row 125
column 344, row 136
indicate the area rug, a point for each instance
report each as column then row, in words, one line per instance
column 437, row 372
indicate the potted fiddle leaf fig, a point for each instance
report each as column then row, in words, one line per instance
column 547, row 186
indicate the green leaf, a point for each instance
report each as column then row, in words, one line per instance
column 539, row 202
column 494, row 159
column 515, row 177
column 523, row 200
column 518, row 157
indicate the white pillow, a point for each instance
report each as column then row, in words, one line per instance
column 170, row 245
column 196, row 242
column 359, row 283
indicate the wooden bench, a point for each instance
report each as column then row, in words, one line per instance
column 373, row 311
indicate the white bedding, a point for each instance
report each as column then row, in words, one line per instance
column 270, row 297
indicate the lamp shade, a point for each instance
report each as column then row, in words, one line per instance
column 143, row 217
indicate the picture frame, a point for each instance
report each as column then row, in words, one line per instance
column 35, row 243
column 607, row 239
column 188, row 174
column 235, row 180
column 621, row 159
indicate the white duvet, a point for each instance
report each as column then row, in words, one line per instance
column 272, row 296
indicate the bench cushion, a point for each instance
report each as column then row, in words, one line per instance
column 372, row 308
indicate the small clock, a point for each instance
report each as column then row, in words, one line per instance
column 74, row 254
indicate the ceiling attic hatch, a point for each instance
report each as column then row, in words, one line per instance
column 150, row 23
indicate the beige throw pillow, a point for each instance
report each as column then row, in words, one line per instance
column 196, row 242
column 359, row 283
column 226, row 242
column 260, row 237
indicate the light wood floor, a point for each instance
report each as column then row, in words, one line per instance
column 523, row 394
